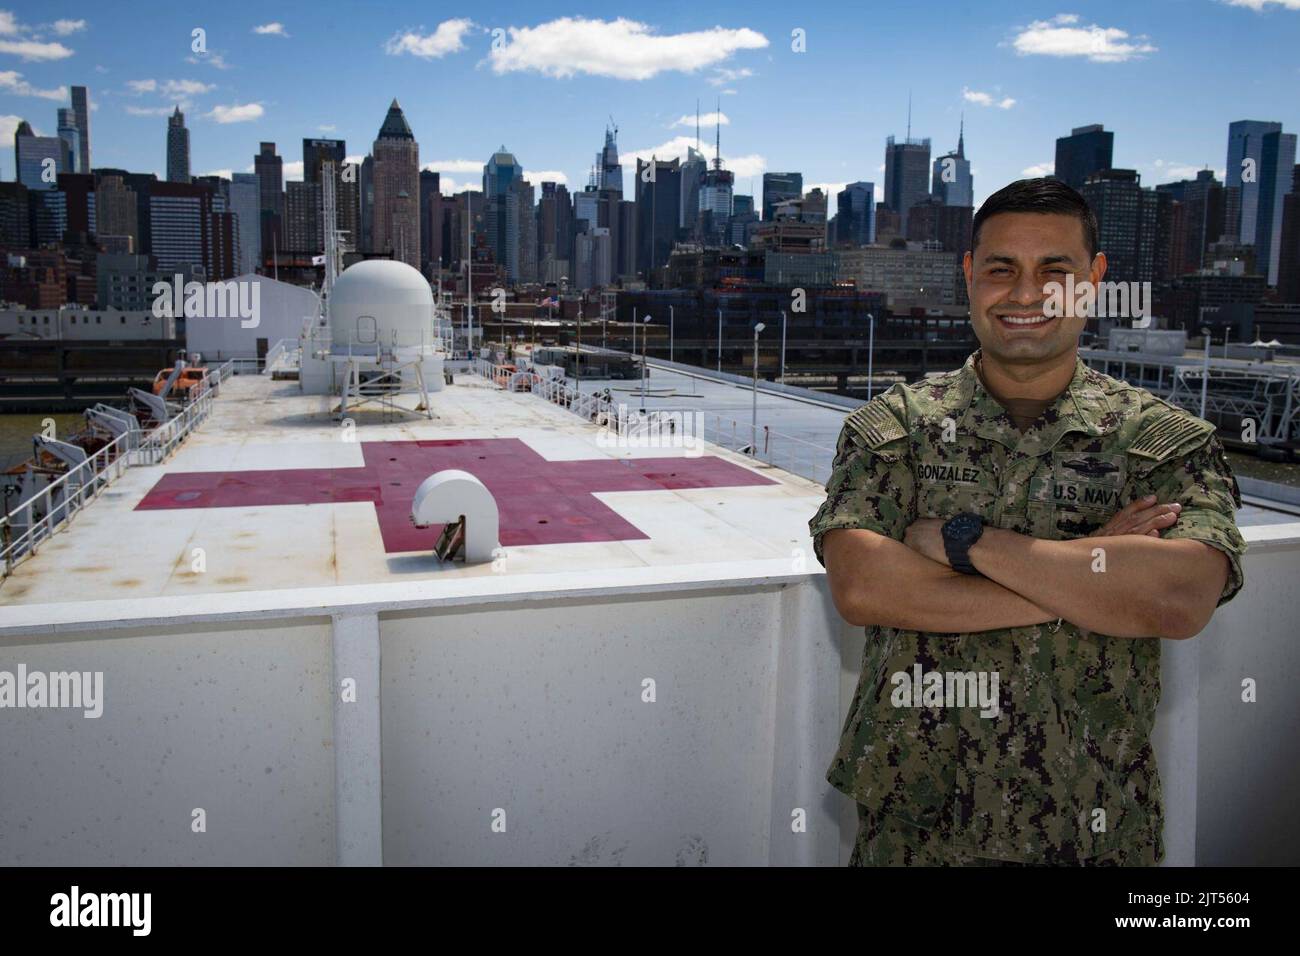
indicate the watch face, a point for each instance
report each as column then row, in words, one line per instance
column 964, row 527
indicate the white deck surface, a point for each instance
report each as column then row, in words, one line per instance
column 112, row 551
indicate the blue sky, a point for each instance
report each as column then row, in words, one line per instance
column 1166, row 75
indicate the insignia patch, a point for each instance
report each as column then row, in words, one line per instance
column 876, row 425
column 1167, row 434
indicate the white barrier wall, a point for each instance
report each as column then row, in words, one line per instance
column 523, row 701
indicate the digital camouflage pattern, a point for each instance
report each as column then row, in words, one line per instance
column 1065, row 773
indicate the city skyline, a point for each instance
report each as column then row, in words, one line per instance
column 550, row 111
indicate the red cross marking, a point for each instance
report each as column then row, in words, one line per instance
column 540, row 501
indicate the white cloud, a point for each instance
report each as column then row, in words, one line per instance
column 1062, row 37
column 354, row 160
column 101, row 69
column 1038, row 170
column 449, row 187
column 293, row 171
column 157, row 110
column 8, row 126
column 272, row 29
column 623, row 49
column 536, row 176
column 209, row 59
column 65, row 28
column 455, row 166
column 986, row 99
column 142, row 86
column 12, row 82
column 1172, row 172
column 35, row 50
column 449, row 37
column 1258, row 5
column 238, row 113
column 706, row 119
column 830, row 189
column 223, row 173
column 326, row 128
column 8, row 23
column 723, row 75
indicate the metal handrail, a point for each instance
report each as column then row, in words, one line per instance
column 68, row 494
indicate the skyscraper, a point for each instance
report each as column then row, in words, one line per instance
column 952, row 183
column 81, row 109
column 269, row 168
column 500, row 173
column 246, row 204
column 71, row 137
column 1274, row 185
column 1126, row 223
column 178, row 148
column 611, row 172
column 37, row 159
column 1087, row 150
column 856, row 209
column 554, row 233
column 116, row 213
column 317, row 152
column 907, row 175
column 397, row 189
column 777, row 188
column 658, row 212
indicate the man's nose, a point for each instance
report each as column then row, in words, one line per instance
column 1028, row 289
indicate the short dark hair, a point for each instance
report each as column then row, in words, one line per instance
column 1043, row 195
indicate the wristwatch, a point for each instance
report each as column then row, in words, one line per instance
column 959, row 533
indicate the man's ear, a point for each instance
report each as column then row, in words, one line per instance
column 1098, row 268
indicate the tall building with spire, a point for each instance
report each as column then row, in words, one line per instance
column 952, row 183
column 397, row 189
column 715, row 194
column 178, row 148
column 611, row 172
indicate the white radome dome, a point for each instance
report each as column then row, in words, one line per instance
column 381, row 302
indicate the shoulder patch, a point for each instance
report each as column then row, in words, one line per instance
column 875, row 424
column 1169, row 433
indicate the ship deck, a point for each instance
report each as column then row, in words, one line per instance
column 272, row 493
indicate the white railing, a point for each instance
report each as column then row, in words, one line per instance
column 38, row 517
column 162, row 441
column 795, row 455
column 24, row 528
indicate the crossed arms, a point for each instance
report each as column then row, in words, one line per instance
column 1151, row 587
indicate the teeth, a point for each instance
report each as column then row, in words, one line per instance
column 1017, row 320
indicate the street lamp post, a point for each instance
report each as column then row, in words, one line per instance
column 645, row 334
column 719, row 340
column 670, row 333
column 871, row 353
column 753, row 425
column 577, row 358
column 783, row 320
column 1205, row 371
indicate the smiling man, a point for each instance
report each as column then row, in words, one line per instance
column 1037, row 523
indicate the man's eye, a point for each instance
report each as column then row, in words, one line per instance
column 1000, row 270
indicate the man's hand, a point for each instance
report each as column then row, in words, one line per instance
column 1141, row 516
column 925, row 537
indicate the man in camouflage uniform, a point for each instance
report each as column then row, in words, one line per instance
column 1108, row 526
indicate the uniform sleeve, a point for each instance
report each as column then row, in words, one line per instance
column 868, row 488
column 1203, row 483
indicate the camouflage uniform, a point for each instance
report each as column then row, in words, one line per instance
column 1076, row 709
